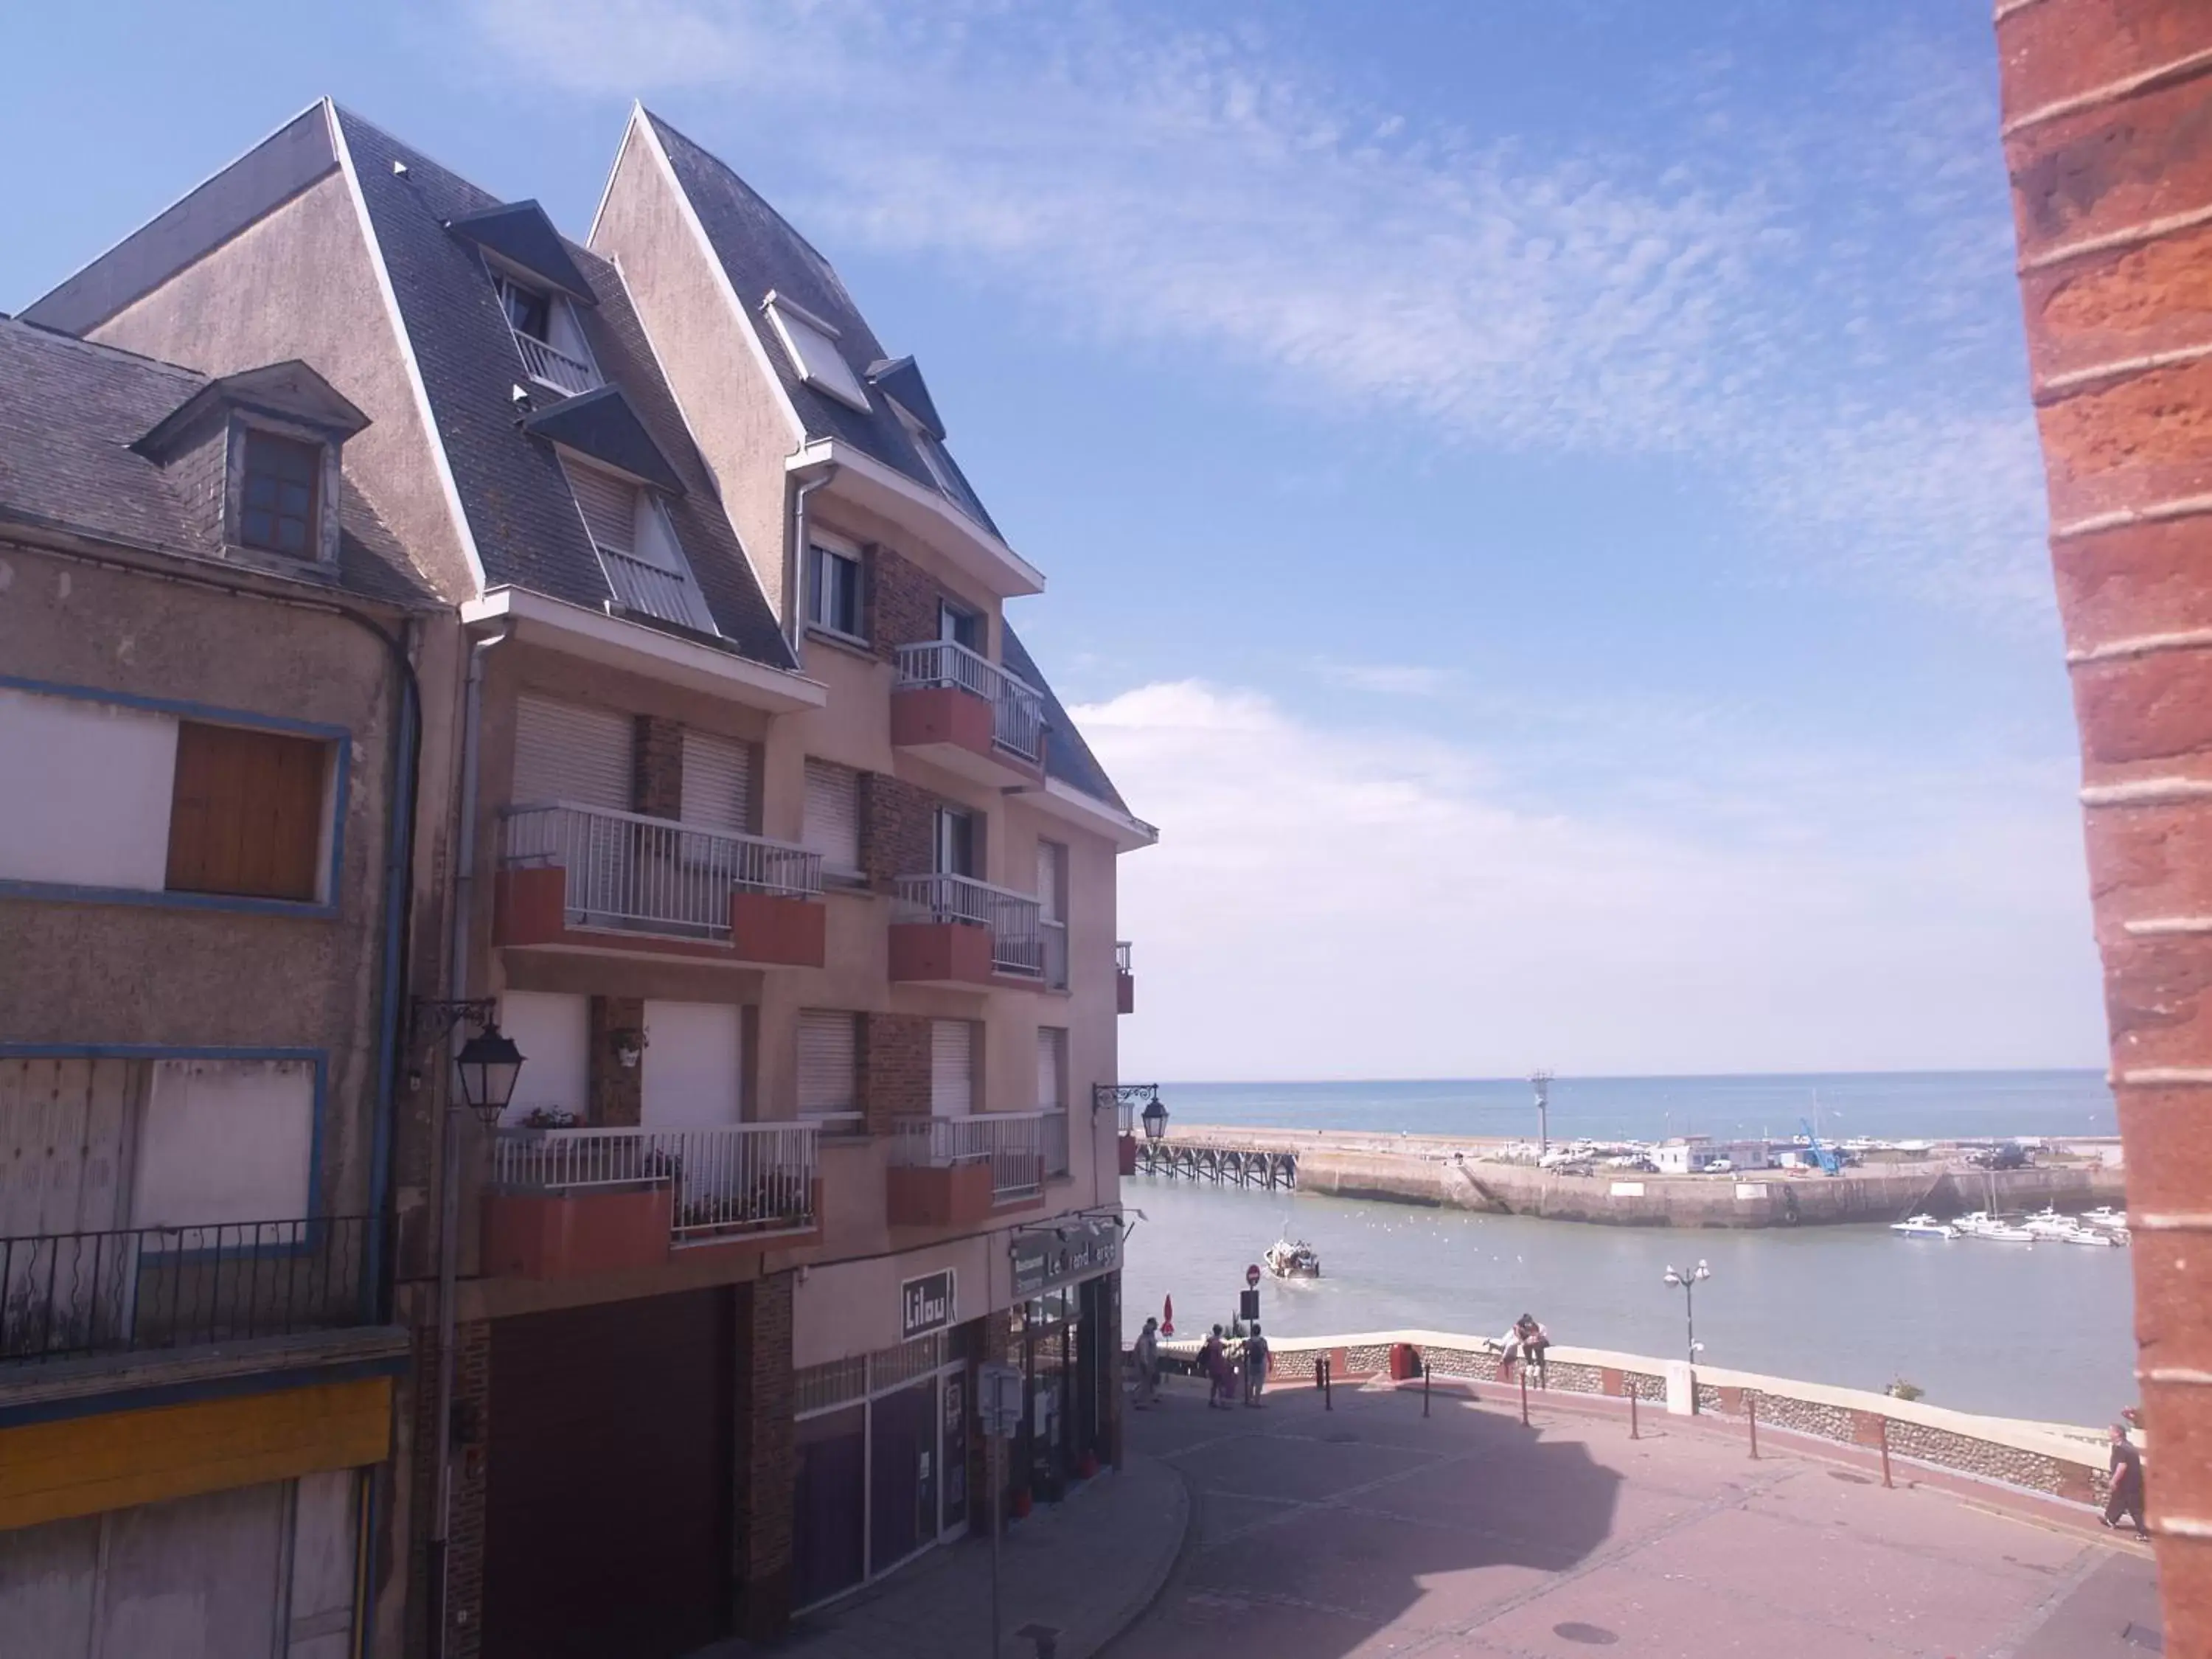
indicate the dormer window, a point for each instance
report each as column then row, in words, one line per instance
column 554, row 353
column 936, row 461
column 644, row 563
column 810, row 342
column 279, row 495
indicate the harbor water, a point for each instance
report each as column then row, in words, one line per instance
column 2042, row 1331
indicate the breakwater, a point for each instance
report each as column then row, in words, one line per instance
column 1456, row 1174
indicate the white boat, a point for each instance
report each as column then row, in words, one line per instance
column 1998, row 1232
column 1922, row 1226
column 2047, row 1223
column 2103, row 1236
column 1289, row 1258
column 2105, row 1216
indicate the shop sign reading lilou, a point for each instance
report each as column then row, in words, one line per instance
column 925, row 1304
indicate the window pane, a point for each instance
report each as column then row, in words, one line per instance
column 278, row 501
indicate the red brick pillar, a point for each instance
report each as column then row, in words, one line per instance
column 767, row 1459
column 618, row 1091
column 464, row 1540
column 657, row 783
column 894, row 1069
column 2107, row 122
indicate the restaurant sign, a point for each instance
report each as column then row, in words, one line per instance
column 1074, row 1251
column 925, row 1304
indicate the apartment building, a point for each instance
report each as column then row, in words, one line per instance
column 208, row 645
column 769, row 849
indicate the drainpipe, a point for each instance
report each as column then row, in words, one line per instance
column 449, row 1161
column 2103, row 122
column 795, row 572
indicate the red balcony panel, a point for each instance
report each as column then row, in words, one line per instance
column 957, row 729
column 1125, row 993
column 1129, row 1148
column 955, row 1196
column 530, row 906
column 787, row 933
column 576, row 1233
column 941, row 952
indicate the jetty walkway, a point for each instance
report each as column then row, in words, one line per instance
column 1465, row 1173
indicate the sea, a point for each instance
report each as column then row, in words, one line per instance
column 2041, row 1331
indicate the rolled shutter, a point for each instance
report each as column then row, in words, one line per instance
column 833, row 814
column 827, row 1064
column 566, row 752
column 1051, row 1068
column 718, row 782
column 952, row 1068
column 608, row 506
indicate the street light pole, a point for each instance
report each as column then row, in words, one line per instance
column 1541, row 1083
column 1689, row 1280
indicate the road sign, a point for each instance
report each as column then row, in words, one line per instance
column 1252, row 1275
column 998, row 1399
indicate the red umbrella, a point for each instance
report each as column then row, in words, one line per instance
column 1167, row 1318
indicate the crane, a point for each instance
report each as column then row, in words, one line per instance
column 1829, row 1162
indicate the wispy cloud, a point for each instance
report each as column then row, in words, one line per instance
column 1365, row 902
column 1390, row 679
column 1135, row 177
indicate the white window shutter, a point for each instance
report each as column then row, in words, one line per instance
column 832, row 820
column 828, row 1064
column 608, row 505
column 952, row 1068
column 1051, row 1068
column 718, row 782
column 566, row 752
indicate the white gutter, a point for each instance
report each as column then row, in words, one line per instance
column 1063, row 800
column 890, row 492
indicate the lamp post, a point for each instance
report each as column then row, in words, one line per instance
column 1541, row 1083
column 1689, row 1280
column 1155, row 1116
column 489, row 1064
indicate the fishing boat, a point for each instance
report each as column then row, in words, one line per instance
column 1289, row 1258
column 1922, row 1226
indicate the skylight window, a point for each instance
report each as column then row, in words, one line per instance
column 811, row 344
column 939, row 464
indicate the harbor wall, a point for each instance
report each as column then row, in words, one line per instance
column 1770, row 1198
column 2061, row 1461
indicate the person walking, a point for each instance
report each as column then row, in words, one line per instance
column 1213, row 1357
column 1255, row 1364
column 2127, row 1473
column 1147, row 1353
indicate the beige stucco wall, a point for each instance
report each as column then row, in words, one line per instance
column 743, row 426
column 300, row 282
column 144, row 972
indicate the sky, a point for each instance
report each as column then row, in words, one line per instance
column 1539, row 500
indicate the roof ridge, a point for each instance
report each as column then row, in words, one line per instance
column 669, row 130
column 101, row 348
column 424, row 158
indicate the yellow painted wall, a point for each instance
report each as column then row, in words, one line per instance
column 112, row 1461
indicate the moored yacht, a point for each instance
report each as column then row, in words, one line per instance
column 1922, row 1226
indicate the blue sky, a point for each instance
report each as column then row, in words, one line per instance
column 1539, row 500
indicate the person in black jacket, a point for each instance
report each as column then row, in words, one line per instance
column 2127, row 1496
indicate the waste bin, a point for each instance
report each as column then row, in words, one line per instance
column 1404, row 1362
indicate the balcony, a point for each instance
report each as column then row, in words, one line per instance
column 140, row 1289
column 550, row 366
column 585, row 878
column 566, row 1203
column 958, row 1171
column 1125, row 982
column 968, row 715
column 955, row 930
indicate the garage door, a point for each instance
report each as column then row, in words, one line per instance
column 608, row 1520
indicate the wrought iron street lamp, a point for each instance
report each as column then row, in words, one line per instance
column 1689, row 1281
column 488, row 1064
column 1156, row 1119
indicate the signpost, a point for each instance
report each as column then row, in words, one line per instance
column 998, row 1402
column 1252, row 1275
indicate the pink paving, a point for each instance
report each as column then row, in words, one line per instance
column 1368, row 1530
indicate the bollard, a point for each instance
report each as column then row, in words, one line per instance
column 1884, row 1422
column 1524, row 1394
column 1425, row 1385
column 1751, row 1415
column 1632, row 1394
column 1328, row 1400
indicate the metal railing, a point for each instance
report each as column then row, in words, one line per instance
column 1055, row 936
column 1017, row 710
column 738, row 1178
column 1011, row 1143
column 652, row 875
column 554, row 366
column 63, row 1295
column 1013, row 919
column 668, row 594
column 1121, row 956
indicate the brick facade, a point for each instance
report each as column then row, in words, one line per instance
column 897, row 827
column 894, row 1064
column 657, row 785
column 618, row 1091
column 464, row 1601
column 2104, row 109
column 900, row 601
column 767, row 1460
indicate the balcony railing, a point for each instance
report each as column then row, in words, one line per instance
column 654, row 875
column 1017, row 710
column 1013, row 919
column 667, row 594
column 741, row 1178
column 553, row 366
column 1011, row 1143
column 1055, row 936
column 1057, row 1149
column 64, row 1295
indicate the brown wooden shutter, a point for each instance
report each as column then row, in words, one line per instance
column 246, row 813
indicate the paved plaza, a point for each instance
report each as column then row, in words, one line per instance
column 1367, row 1531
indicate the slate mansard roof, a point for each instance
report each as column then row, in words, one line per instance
column 70, row 413
column 513, row 490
